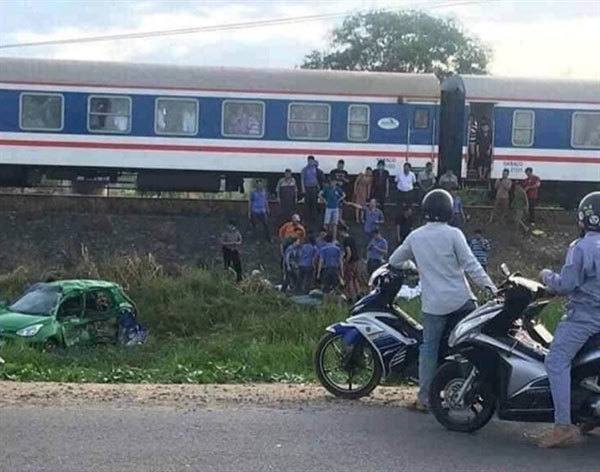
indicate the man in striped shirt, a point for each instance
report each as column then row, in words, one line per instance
column 481, row 248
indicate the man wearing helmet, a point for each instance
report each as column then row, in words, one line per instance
column 443, row 257
column 579, row 280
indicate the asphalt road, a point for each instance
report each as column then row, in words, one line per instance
column 297, row 439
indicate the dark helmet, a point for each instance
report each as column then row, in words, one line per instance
column 437, row 206
column 588, row 212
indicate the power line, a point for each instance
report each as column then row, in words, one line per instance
column 215, row 28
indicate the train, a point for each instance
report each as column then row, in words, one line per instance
column 191, row 128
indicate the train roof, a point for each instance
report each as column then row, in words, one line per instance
column 322, row 82
column 494, row 89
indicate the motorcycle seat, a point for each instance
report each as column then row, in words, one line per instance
column 593, row 344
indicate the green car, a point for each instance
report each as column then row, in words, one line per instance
column 67, row 312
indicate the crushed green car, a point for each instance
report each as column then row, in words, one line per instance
column 69, row 312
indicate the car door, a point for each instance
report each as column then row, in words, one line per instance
column 100, row 314
column 71, row 320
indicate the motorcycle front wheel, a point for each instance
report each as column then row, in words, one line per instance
column 347, row 372
column 473, row 412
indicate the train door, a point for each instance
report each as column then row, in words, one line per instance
column 480, row 140
column 451, row 126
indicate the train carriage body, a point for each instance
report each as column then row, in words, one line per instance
column 147, row 118
column 552, row 126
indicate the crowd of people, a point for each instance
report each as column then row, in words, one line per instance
column 322, row 252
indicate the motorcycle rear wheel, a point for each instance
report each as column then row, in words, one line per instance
column 479, row 406
column 331, row 345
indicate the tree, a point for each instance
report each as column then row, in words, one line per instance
column 401, row 42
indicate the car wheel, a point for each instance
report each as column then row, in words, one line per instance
column 51, row 345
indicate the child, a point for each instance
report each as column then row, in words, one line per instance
column 330, row 265
column 307, row 260
column 376, row 251
column 404, row 223
column 481, row 247
column 231, row 240
column 332, row 195
column 458, row 213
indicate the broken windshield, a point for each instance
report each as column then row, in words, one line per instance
column 39, row 300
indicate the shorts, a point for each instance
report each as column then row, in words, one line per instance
column 329, row 278
column 332, row 216
column 350, row 272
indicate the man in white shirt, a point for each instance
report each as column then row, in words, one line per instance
column 405, row 183
column 443, row 258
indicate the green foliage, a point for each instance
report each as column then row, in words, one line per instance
column 409, row 41
column 203, row 329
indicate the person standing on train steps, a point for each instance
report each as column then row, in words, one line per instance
column 405, row 182
column 472, row 140
column 258, row 208
column 531, row 185
column 380, row 189
column 287, row 194
column 309, row 180
column 484, row 149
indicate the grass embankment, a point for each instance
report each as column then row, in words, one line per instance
column 203, row 329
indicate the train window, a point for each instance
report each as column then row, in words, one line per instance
column 358, row 122
column 243, row 119
column 176, row 116
column 523, row 126
column 41, row 111
column 585, row 130
column 309, row 121
column 421, row 118
column 109, row 114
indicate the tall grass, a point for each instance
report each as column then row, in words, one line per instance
column 204, row 328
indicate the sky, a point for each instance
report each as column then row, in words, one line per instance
column 529, row 38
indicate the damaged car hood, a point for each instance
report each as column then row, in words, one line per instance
column 11, row 322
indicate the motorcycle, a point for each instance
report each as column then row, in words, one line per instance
column 379, row 340
column 496, row 362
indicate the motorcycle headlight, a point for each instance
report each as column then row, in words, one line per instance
column 30, row 330
column 465, row 328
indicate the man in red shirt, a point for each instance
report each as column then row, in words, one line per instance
column 531, row 185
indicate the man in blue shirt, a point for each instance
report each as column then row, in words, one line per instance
column 579, row 280
column 307, row 262
column 309, row 179
column 330, row 265
column 258, row 208
column 333, row 195
column 291, row 257
column 376, row 251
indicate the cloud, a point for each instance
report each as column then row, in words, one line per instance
column 566, row 46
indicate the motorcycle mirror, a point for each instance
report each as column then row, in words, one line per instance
column 504, row 268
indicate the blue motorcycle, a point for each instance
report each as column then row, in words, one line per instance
column 378, row 341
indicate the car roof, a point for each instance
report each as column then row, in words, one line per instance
column 82, row 284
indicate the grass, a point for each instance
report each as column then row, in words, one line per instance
column 203, row 329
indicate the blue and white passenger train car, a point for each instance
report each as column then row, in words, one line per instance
column 98, row 117
column 181, row 128
column 552, row 126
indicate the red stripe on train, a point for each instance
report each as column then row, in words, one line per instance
column 220, row 149
column 261, row 150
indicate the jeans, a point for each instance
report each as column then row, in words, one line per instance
column 231, row 258
column 305, row 279
column 569, row 337
column 532, row 203
column 434, row 328
column 373, row 265
column 310, row 203
column 261, row 218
